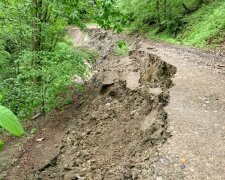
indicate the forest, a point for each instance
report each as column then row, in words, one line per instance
column 43, row 69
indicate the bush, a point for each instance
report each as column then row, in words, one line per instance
column 173, row 25
column 50, row 86
column 122, row 48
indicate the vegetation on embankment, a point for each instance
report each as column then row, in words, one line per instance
column 38, row 63
column 199, row 23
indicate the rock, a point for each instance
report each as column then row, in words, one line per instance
column 132, row 112
column 155, row 91
column 98, row 131
column 88, row 131
column 107, row 104
column 93, row 167
column 67, row 167
column 159, row 178
column 132, row 80
column 110, row 77
column 40, row 139
column 85, row 153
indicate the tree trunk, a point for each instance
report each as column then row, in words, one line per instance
column 37, row 31
column 158, row 11
column 165, row 9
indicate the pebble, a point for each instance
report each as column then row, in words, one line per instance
column 67, row 167
column 85, row 153
column 88, row 131
column 133, row 112
column 159, row 178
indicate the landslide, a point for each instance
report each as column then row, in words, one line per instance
column 120, row 122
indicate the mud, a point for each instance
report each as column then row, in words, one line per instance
column 121, row 123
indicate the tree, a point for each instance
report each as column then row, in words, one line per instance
column 38, row 60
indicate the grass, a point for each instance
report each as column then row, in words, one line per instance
column 208, row 22
column 203, row 28
column 122, row 48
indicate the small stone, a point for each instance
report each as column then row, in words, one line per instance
column 78, row 153
column 133, row 112
column 88, row 131
column 159, row 178
column 67, row 167
column 40, row 139
column 93, row 167
column 84, row 169
column 183, row 160
column 85, row 153
column 92, row 161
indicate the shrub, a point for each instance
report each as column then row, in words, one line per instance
column 122, row 48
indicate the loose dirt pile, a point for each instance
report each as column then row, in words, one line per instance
column 120, row 123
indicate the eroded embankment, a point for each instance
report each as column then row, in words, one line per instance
column 121, row 122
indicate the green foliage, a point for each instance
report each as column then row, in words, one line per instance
column 205, row 24
column 122, row 48
column 109, row 16
column 1, row 145
column 173, row 25
column 190, row 22
column 38, row 65
column 33, row 131
column 59, row 67
column 10, row 122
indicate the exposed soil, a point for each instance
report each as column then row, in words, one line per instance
column 119, row 128
column 35, row 151
column 116, row 130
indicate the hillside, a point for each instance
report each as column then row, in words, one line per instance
column 193, row 23
column 112, row 90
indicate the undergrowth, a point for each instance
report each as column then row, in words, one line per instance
column 199, row 23
column 122, row 48
column 205, row 24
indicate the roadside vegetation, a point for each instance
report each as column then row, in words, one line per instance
column 197, row 23
column 122, row 48
column 38, row 62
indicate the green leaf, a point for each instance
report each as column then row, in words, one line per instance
column 1, row 145
column 10, row 122
column 33, row 131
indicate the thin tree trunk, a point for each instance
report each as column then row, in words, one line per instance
column 165, row 9
column 37, row 31
column 158, row 10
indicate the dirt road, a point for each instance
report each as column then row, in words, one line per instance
column 196, row 115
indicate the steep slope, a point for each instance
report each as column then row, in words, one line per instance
column 120, row 121
column 201, row 24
